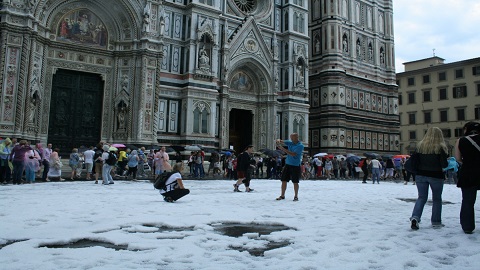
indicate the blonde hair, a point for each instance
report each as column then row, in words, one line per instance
column 178, row 167
column 432, row 142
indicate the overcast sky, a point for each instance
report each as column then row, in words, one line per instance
column 451, row 27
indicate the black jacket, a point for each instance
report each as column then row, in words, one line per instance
column 431, row 165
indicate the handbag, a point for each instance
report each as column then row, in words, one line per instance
column 146, row 167
column 411, row 164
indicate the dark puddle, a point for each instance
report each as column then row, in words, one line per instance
column 240, row 229
column 86, row 243
column 9, row 242
column 163, row 228
column 429, row 202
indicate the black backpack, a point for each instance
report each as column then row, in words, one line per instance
column 112, row 159
column 161, row 180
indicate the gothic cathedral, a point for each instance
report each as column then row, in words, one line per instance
column 220, row 73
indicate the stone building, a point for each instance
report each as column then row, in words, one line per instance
column 433, row 93
column 177, row 72
column 353, row 93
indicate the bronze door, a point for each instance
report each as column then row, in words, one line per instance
column 75, row 110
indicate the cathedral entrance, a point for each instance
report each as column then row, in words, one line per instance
column 240, row 127
column 75, row 110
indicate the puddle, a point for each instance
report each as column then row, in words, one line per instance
column 10, row 242
column 86, row 243
column 163, row 228
column 429, row 202
column 253, row 230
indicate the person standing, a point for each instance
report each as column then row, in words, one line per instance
column 292, row 170
column 46, row 161
column 432, row 158
column 5, row 149
column 74, row 162
column 18, row 159
column 343, row 168
column 336, row 166
column 244, row 169
column 97, row 158
column 161, row 161
column 141, row 162
column 109, row 159
column 467, row 152
column 132, row 164
column 376, row 167
column 88, row 156
column 55, row 165
column 32, row 165
column 328, row 168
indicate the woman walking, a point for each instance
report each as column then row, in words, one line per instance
column 432, row 157
column 467, row 152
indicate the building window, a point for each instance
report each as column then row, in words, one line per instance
column 476, row 70
column 460, row 91
column 426, row 78
column 200, row 120
column 298, row 127
column 477, row 113
column 478, row 89
column 447, row 133
column 411, row 98
column 427, row 96
column 458, row 73
column 412, row 135
column 442, row 93
column 411, row 118
column 427, row 117
column 442, row 76
column 443, row 116
column 461, row 114
column 400, row 99
column 411, row 81
column 458, row 132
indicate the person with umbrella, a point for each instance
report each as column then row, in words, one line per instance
column 292, row 170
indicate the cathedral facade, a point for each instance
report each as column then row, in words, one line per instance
column 220, row 73
column 353, row 91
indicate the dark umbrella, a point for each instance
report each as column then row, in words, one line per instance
column 387, row 156
column 352, row 159
column 178, row 148
column 271, row 153
column 131, row 146
column 371, row 155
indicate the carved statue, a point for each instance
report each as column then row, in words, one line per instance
column 345, row 44
column 203, row 60
column 146, row 18
column 121, row 118
column 300, row 76
column 125, row 81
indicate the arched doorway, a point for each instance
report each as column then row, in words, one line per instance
column 240, row 129
column 75, row 117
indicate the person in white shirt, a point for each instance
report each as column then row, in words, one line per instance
column 376, row 166
column 88, row 156
column 174, row 188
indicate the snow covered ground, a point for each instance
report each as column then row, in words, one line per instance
column 335, row 225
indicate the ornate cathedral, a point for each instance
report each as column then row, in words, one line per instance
column 219, row 73
column 175, row 72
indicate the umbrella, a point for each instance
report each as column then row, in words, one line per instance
column 401, row 156
column 131, row 147
column 193, row 148
column 320, row 154
column 226, row 153
column 339, row 157
column 118, row 145
column 178, row 148
column 352, row 159
column 271, row 153
column 112, row 149
column 371, row 155
column 351, row 155
column 228, row 150
column 387, row 156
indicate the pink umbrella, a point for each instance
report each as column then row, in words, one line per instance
column 118, row 145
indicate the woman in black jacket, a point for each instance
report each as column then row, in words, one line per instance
column 468, row 155
column 432, row 158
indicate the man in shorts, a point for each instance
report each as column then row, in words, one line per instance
column 292, row 170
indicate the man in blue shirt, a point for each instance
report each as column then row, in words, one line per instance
column 292, row 168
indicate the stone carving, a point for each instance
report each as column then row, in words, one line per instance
column 203, row 59
column 299, row 71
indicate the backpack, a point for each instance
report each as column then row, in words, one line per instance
column 112, row 159
column 161, row 180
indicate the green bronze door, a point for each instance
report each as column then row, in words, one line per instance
column 75, row 110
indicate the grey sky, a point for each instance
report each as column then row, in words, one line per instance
column 451, row 27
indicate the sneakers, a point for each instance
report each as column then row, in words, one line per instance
column 235, row 188
column 280, row 198
column 468, row 232
column 249, row 190
column 295, row 199
column 414, row 224
column 168, row 199
column 405, row 183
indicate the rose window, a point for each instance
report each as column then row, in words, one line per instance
column 246, row 6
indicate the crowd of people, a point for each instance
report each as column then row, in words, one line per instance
column 429, row 165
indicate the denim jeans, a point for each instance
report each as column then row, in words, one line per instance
column 436, row 184
column 106, row 176
column 376, row 175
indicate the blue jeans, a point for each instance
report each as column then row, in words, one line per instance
column 106, row 176
column 376, row 175
column 436, row 184
column 18, row 167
